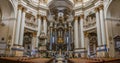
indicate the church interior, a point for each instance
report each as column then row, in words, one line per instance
column 59, row 31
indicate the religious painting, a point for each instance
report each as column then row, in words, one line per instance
column 117, row 43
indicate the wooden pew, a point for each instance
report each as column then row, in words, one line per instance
column 39, row 60
column 49, row 60
column 13, row 60
column 95, row 60
column 79, row 60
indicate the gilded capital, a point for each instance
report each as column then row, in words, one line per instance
column 20, row 7
column 76, row 18
column 34, row 34
column 44, row 17
column 81, row 16
column 24, row 9
column 86, row 34
column 101, row 7
column 38, row 16
column 97, row 9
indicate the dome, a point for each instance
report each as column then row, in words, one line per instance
column 45, row 3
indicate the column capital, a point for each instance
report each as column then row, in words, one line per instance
column 24, row 9
column 20, row 7
column 34, row 34
column 86, row 34
column 38, row 16
column 96, row 9
column 76, row 18
column 101, row 7
column 82, row 16
column 44, row 17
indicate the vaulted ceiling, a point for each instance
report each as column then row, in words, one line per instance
column 47, row 1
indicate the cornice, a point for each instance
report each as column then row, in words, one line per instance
column 34, row 6
column 86, row 6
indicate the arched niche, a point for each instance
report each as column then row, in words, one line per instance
column 7, row 20
column 113, row 25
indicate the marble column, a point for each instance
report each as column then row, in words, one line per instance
column 18, row 25
column 79, row 34
column 65, row 34
column 98, row 27
column 102, row 22
column 102, row 50
column 55, row 31
column 45, row 27
column 82, row 32
column 70, row 35
column 33, row 46
column 66, row 39
column 22, row 27
column 87, row 43
column 51, row 35
column 76, row 32
column 39, row 30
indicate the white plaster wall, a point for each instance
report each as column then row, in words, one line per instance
column 8, row 18
column 113, row 29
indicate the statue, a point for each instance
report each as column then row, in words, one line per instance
column 70, row 18
column 51, row 18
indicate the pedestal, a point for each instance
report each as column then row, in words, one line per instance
column 102, row 51
column 18, row 51
column 81, row 52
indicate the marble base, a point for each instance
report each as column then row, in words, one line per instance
column 102, row 51
column 18, row 51
column 81, row 52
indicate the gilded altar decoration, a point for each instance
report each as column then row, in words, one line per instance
column 42, row 36
column 60, row 41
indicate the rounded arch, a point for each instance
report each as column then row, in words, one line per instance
column 112, row 20
column 7, row 8
column 14, row 7
column 113, row 8
column 7, row 19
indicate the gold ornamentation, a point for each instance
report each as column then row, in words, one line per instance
column 76, row 18
column 34, row 34
column 81, row 16
column 38, row 16
column 60, row 40
column 24, row 9
column 101, row 7
column 86, row 34
column 20, row 7
column 44, row 17
column 97, row 9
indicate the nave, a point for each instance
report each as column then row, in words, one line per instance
column 59, row 31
